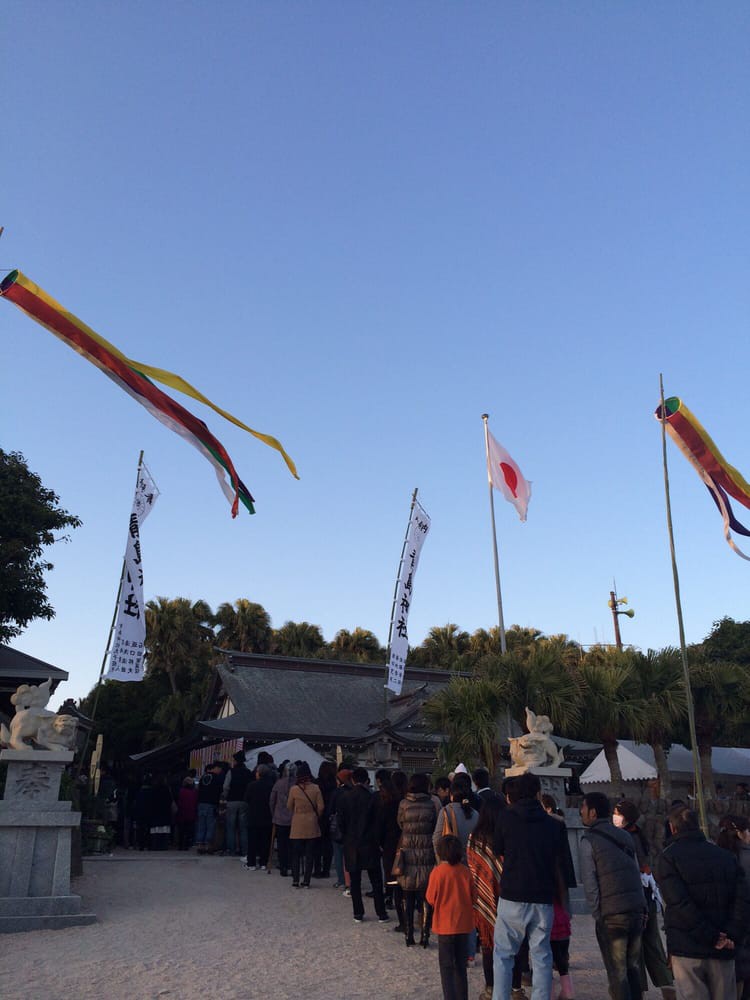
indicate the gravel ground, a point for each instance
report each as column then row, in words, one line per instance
column 178, row 927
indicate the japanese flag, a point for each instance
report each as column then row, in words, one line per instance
column 504, row 475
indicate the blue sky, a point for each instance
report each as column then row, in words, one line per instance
column 358, row 227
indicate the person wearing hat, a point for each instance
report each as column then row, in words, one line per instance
column 209, row 795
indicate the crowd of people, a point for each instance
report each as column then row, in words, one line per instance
column 485, row 872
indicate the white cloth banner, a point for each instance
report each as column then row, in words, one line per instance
column 129, row 634
column 419, row 525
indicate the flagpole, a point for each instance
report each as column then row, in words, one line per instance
column 501, row 623
column 109, row 636
column 680, row 624
column 393, row 603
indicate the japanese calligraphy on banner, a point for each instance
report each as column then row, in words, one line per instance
column 419, row 525
column 129, row 633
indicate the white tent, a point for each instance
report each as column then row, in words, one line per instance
column 631, row 766
column 292, row 750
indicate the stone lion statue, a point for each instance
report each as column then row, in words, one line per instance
column 57, row 733
column 33, row 721
column 535, row 748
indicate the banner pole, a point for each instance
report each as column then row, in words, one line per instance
column 393, row 602
column 109, row 636
column 500, row 621
column 680, row 624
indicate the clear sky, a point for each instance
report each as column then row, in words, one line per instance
column 358, row 226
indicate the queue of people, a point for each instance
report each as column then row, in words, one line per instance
column 487, row 873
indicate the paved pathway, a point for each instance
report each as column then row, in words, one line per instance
column 177, row 927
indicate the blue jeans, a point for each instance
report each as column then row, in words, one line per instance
column 206, row 825
column 237, row 821
column 619, row 937
column 514, row 922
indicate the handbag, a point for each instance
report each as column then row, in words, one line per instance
column 334, row 829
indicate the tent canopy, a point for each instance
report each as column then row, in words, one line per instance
column 633, row 768
column 287, row 750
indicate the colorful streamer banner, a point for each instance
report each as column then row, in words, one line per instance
column 129, row 632
column 419, row 525
column 721, row 479
column 136, row 379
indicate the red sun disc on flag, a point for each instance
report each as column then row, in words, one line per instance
column 510, row 477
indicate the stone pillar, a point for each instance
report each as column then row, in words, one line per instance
column 35, row 833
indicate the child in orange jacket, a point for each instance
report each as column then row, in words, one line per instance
column 451, row 894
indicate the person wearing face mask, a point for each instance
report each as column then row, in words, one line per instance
column 653, row 959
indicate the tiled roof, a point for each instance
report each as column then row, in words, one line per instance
column 320, row 700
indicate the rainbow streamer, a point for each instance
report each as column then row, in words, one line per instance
column 133, row 377
column 721, row 478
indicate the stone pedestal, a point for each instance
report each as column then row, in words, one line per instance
column 35, row 832
column 551, row 778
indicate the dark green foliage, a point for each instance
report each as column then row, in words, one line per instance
column 29, row 520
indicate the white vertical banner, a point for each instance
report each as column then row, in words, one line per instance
column 129, row 632
column 419, row 525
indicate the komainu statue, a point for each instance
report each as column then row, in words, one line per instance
column 535, row 748
column 33, row 721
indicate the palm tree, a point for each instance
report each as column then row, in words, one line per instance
column 358, row 646
column 609, row 690
column 539, row 680
column 468, row 711
column 444, row 648
column 717, row 692
column 179, row 639
column 243, row 626
column 298, row 639
column 662, row 706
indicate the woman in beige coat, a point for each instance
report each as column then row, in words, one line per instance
column 305, row 803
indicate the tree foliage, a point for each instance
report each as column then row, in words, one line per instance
column 29, row 520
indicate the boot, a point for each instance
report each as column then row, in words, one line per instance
column 424, row 939
column 410, row 929
column 398, row 902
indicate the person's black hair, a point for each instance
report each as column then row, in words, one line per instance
column 730, row 828
column 382, row 774
column 442, row 782
column 327, row 776
column 360, row 776
column 450, row 849
column 599, row 802
column 459, row 795
column 549, row 802
column 481, row 777
column 528, row 785
column 683, row 818
column 510, row 789
column 419, row 783
column 400, row 782
column 304, row 774
column 484, row 831
column 628, row 810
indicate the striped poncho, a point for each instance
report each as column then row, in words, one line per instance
column 486, row 871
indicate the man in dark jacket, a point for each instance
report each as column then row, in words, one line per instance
column 612, row 881
column 706, row 899
column 531, row 844
column 209, row 794
column 359, row 823
column 235, row 784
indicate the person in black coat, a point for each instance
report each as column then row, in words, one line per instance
column 360, row 823
column 707, row 908
column 259, row 822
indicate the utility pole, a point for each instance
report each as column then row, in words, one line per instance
column 614, row 602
